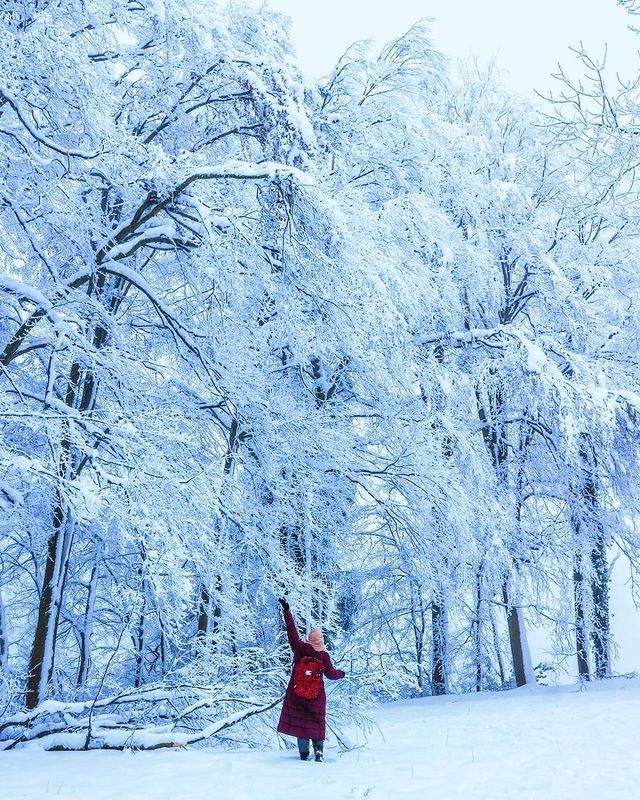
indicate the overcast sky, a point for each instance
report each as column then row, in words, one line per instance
column 527, row 39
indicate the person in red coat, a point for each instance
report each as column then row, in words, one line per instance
column 306, row 719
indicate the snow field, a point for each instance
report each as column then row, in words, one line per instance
column 532, row 744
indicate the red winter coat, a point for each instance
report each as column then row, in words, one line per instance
column 305, row 719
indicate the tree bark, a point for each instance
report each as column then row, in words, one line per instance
column 209, row 613
column 582, row 642
column 203, row 612
column 138, row 643
column 590, row 569
column 496, row 645
column 601, row 634
column 477, row 636
column 440, row 642
column 599, row 568
column 418, row 624
column 80, row 394
column 42, row 656
column 497, row 445
column 522, row 666
column 85, row 636
column 4, row 638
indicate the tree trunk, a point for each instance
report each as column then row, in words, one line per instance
column 138, row 643
column 85, row 636
column 601, row 634
column 582, row 642
column 4, row 638
column 522, row 666
column 496, row 646
column 138, row 633
column 42, row 657
column 477, row 636
column 599, row 568
column 439, row 638
column 418, row 624
column 589, row 539
column 209, row 613
column 496, row 443
column 203, row 612
column 80, row 394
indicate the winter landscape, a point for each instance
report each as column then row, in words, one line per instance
column 319, row 405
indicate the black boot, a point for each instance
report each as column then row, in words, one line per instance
column 319, row 754
column 304, row 756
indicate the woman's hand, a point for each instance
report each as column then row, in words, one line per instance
column 283, row 603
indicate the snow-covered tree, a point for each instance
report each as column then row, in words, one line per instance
column 371, row 343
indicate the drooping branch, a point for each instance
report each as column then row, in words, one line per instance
column 41, row 138
column 131, row 235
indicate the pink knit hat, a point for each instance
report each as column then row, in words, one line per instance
column 316, row 639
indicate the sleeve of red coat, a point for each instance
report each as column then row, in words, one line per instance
column 331, row 672
column 295, row 641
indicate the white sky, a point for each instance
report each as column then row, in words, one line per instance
column 526, row 37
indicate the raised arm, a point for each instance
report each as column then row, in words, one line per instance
column 295, row 642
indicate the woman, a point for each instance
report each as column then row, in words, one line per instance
column 301, row 717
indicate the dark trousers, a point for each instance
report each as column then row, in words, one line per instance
column 303, row 745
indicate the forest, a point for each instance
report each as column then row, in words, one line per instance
column 370, row 342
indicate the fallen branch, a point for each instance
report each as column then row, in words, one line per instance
column 66, row 726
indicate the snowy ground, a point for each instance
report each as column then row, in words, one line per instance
column 551, row 744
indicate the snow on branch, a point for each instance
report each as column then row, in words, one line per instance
column 39, row 137
column 74, row 726
column 463, row 337
column 11, row 494
column 29, row 293
column 536, row 358
column 244, row 170
column 43, row 308
column 231, row 170
column 133, row 234
column 155, row 233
